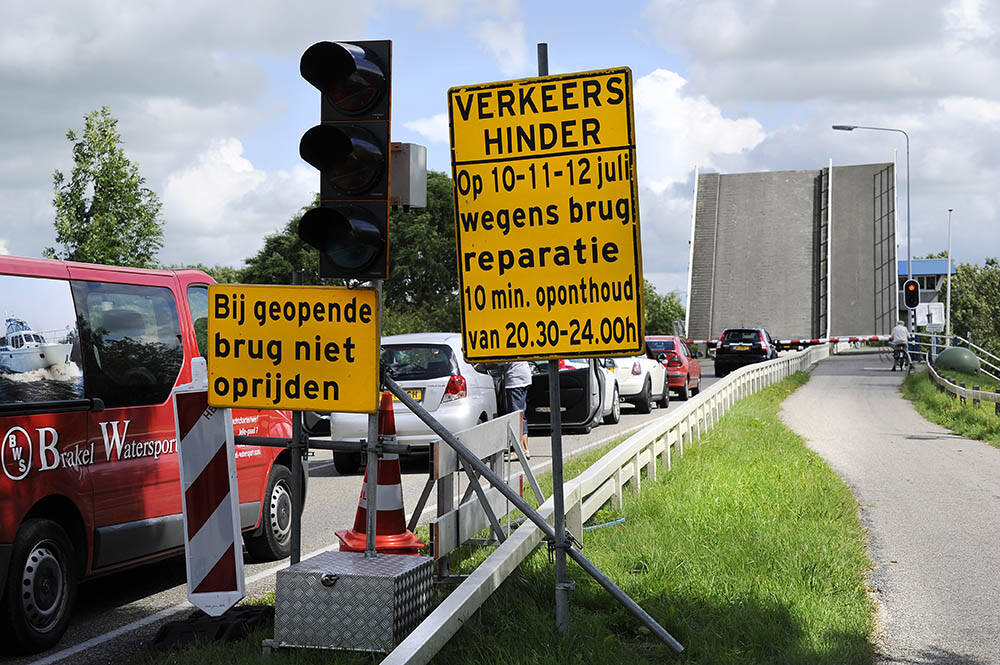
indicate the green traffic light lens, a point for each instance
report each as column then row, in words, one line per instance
column 354, row 243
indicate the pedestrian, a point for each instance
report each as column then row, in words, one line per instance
column 516, row 379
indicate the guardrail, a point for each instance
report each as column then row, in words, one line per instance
column 584, row 495
column 960, row 392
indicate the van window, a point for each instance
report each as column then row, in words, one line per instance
column 131, row 342
column 39, row 346
column 197, row 296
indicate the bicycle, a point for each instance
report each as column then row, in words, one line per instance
column 901, row 357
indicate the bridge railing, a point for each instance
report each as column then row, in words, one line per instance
column 605, row 480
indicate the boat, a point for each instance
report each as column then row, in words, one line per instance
column 25, row 350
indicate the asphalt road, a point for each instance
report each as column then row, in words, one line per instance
column 930, row 502
column 119, row 614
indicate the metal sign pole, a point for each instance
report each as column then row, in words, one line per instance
column 296, row 470
column 371, row 486
column 555, row 411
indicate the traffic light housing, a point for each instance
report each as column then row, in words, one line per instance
column 350, row 148
column 911, row 294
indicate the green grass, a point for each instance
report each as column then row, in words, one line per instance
column 973, row 422
column 749, row 551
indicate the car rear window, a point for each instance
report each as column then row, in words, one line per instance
column 741, row 336
column 409, row 362
column 655, row 347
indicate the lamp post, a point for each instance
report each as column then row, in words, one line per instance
column 947, row 313
column 909, row 255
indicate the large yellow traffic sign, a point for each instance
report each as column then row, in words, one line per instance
column 302, row 348
column 547, row 217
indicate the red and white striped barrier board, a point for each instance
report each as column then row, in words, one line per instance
column 806, row 342
column 213, row 548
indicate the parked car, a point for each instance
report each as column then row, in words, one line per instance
column 738, row 347
column 89, row 478
column 642, row 382
column 433, row 371
column 588, row 394
column 683, row 368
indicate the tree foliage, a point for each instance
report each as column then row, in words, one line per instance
column 104, row 213
column 421, row 293
column 975, row 304
column 661, row 311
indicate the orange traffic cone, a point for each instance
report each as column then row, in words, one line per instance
column 391, row 534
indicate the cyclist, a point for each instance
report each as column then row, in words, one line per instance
column 900, row 340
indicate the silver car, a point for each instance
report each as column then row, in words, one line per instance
column 432, row 369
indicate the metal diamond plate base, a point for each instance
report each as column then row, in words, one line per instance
column 342, row 600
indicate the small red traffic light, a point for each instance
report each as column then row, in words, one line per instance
column 911, row 294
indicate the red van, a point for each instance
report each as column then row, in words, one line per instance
column 89, row 480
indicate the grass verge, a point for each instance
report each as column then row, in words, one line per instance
column 749, row 551
column 970, row 421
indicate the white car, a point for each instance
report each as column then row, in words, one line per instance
column 641, row 381
column 431, row 368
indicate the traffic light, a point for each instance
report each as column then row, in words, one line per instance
column 350, row 147
column 911, row 294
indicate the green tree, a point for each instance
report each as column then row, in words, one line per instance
column 661, row 311
column 943, row 254
column 104, row 213
column 421, row 294
column 282, row 254
column 975, row 304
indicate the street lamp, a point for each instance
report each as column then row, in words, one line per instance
column 947, row 314
column 909, row 256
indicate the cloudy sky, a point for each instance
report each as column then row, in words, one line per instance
column 211, row 105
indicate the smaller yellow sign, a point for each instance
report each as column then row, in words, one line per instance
column 302, row 348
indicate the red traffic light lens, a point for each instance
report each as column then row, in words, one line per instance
column 347, row 74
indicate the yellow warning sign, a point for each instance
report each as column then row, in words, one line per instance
column 302, row 348
column 547, row 217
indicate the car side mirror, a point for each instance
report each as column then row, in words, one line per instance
column 662, row 357
column 609, row 363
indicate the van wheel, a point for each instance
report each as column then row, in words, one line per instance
column 346, row 464
column 644, row 403
column 41, row 586
column 275, row 538
column 616, row 409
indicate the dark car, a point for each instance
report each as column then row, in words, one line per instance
column 581, row 390
column 738, row 347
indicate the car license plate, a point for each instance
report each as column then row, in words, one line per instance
column 741, row 347
column 416, row 393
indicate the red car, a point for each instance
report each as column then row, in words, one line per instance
column 683, row 368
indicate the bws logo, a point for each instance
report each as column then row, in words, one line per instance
column 15, row 453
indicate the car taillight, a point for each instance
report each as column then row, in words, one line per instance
column 563, row 365
column 636, row 369
column 761, row 338
column 457, row 389
column 675, row 361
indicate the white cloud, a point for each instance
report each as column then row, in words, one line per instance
column 675, row 132
column 3, row 247
column 505, row 39
column 434, row 128
column 219, row 208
